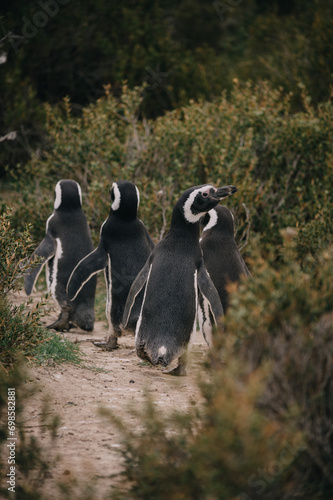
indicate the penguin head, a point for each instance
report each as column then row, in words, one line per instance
column 220, row 218
column 68, row 195
column 125, row 199
column 197, row 201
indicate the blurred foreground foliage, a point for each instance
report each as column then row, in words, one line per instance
column 265, row 428
column 32, row 459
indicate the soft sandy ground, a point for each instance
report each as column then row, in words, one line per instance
column 87, row 443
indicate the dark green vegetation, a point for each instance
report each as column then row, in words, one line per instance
column 280, row 161
column 188, row 49
column 265, row 430
column 20, row 329
column 22, row 335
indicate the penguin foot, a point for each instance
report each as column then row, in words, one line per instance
column 179, row 371
column 109, row 345
column 60, row 326
column 62, row 323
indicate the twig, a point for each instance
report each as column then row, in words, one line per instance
column 246, row 231
column 283, row 198
column 78, row 341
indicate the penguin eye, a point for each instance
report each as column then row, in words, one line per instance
column 205, row 194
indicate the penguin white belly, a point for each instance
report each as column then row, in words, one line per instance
column 194, row 330
column 54, row 279
column 108, row 282
column 204, row 320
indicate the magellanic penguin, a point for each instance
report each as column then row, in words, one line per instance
column 67, row 241
column 222, row 258
column 174, row 275
column 123, row 249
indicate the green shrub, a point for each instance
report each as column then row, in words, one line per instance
column 20, row 329
column 13, row 252
column 265, row 429
column 282, row 163
column 21, row 332
column 285, row 318
column 208, row 453
column 58, row 350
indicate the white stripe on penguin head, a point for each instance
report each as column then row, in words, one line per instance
column 138, row 196
column 188, row 214
column 116, row 204
column 212, row 220
column 79, row 192
column 58, row 196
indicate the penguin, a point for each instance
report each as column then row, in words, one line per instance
column 67, row 240
column 172, row 279
column 222, row 259
column 123, row 250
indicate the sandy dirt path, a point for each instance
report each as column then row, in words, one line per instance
column 86, row 443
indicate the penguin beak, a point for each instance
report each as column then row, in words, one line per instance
column 224, row 191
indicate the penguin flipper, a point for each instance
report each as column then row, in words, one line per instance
column 46, row 250
column 246, row 270
column 209, row 292
column 135, row 289
column 90, row 265
column 150, row 242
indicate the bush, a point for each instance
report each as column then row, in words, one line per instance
column 183, row 50
column 20, row 330
column 205, row 454
column 285, row 318
column 22, row 334
column 57, row 349
column 281, row 162
column 265, row 430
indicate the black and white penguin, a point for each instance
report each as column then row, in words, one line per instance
column 174, row 276
column 123, row 249
column 67, row 241
column 222, row 258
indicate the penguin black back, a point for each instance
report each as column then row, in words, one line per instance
column 123, row 249
column 67, row 241
column 173, row 275
column 222, row 258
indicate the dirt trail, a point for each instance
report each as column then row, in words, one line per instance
column 86, row 442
